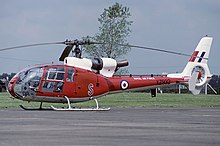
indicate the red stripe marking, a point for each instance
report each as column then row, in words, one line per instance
column 193, row 57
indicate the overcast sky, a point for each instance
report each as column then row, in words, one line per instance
column 176, row 25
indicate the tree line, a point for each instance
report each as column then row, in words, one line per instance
column 215, row 81
column 6, row 76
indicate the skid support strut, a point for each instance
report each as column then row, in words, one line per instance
column 80, row 109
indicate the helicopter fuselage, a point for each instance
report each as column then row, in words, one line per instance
column 50, row 83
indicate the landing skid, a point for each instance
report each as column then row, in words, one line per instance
column 80, row 109
column 34, row 109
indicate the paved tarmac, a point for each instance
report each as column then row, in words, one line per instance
column 119, row 126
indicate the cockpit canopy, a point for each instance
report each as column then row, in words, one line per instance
column 42, row 78
column 31, row 76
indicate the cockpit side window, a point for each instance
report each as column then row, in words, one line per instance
column 55, row 74
column 51, row 75
column 35, row 76
column 70, row 75
column 59, row 76
column 54, row 80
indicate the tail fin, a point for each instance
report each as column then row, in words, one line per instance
column 197, row 63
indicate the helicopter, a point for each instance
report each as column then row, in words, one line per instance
column 81, row 79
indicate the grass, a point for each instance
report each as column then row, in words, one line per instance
column 129, row 100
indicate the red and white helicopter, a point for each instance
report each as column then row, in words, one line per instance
column 81, row 79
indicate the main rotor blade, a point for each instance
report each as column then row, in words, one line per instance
column 156, row 49
column 31, row 45
column 161, row 50
column 66, row 52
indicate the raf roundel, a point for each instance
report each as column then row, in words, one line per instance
column 124, row 84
